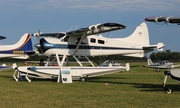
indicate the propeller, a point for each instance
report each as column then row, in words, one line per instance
column 37, row 46
column 38, row 36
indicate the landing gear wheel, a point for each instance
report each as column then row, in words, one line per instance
column 82, row 79
column 169, row 91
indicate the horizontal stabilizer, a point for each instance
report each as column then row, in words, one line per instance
column 135, row 55
column 25, row 56
column 159, row 47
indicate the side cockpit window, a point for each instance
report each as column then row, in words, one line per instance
column 101, row 41
column 93, row 40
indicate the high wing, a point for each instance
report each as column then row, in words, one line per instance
column 57, row 35
column 96, row 29
column 91, row 30
column 83, row 32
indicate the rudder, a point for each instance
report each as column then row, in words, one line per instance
column 149, row 61
column 140, row 36
column 25, row 43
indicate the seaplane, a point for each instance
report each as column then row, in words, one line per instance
column 17, row 51
column 85, row 42
column 161, row 65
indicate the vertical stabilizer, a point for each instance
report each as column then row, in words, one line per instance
column 149, row 61
column 18, row 50
column 140, row 36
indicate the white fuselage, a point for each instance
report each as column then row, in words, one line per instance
column 135, row 45
column 99, row 46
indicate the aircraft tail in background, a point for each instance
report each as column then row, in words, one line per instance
column 18, row 50
column 149, row 61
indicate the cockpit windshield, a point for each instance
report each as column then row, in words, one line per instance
column 65, row 39
column 60, row 35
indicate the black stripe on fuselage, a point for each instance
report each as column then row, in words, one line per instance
column 46, row 46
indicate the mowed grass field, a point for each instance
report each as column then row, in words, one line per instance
column 139, row 88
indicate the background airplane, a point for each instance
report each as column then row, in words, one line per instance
column 169, row 19
column 161, row 65
column 4, row 67
column 173, row 73
column 2, row 37
column 18, row 50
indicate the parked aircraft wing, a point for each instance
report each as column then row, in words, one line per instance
column 174, row 66
column 169, row 19
column 2, row 37
column 93, row 29
column 58, row 35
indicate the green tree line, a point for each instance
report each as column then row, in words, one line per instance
column 166, row 55
column 155, row 56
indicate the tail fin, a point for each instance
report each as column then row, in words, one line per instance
column 18, row 50
column 140, row 39
column 140, row 36
column 149, row 61
column 24, row 45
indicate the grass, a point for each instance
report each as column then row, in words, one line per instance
column 140, row 87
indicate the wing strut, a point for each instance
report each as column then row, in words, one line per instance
column 84, row 34
column 78, row 61
column 89, row 61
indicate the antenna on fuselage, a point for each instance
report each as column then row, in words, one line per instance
column 38, row 45
column 76, row 27
column 70, row 28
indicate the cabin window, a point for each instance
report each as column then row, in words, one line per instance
column 101, row 41
column 93, row 40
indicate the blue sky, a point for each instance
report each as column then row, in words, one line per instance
column 27, row 16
